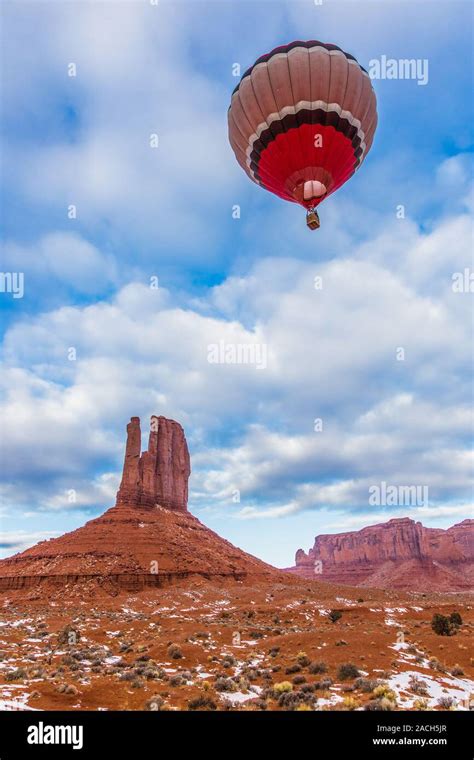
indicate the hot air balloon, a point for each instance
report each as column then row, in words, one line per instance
column 302, row 120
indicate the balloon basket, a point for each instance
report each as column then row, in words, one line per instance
column 312, row 219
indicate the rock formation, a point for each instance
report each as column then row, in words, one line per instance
column 148, row 539
column 400, row 553
column 160, row 475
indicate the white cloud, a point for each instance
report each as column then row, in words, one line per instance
column 134, row 78
column 63, row 259
column 331, row 355
column 15, row 541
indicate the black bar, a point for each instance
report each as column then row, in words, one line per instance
column 130, row 733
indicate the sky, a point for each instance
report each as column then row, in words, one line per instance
column 367, row 378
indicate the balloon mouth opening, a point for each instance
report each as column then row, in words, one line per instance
column 313, row 190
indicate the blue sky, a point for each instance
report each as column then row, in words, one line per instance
column 387, row 282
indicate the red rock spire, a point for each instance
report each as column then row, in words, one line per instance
column 160, row 475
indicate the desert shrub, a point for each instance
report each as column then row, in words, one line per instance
column 297, row 680
column 273, row 652
column 303, row 707
column 366, row 685
column 447, row 703
column 324, row 684
column 308, row 688
column 202, row 703
column 349, row 703
column 293, row 700
column 69, row 635
column 303, row 659
column 335, row 615
column 387, row 704
column 457, row 671
column 289, row 700
column 455, row 618
column 383, row 704
column 176, row 680
column 443, row 625
column 155, row 703
column 420, row 704
column 283, row 686
column 435, row 664
column 373, row 704
column 174, row 652
column 128, row 676
column 360, row 600
column 341, row 643
column 16, row 675
column 151, row 674
column 418, row 686
column 224, row 684
column 38, row 673
column 347, row 670
column 385, row 692
column 293, row 669
column 318, row 667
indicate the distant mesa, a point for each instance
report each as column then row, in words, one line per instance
column 400, row 553
column 148, row 539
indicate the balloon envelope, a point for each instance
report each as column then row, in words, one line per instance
column 302, row 120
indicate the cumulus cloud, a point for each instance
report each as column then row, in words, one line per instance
column 15, row 541
column 366, row 381
column 59, row 263
column 134, row 78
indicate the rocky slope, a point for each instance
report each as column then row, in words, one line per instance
column 149, row 538
column 400, row 553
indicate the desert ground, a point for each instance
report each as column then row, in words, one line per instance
column 231, row 646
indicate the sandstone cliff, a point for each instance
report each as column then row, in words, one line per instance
column 159, row 475
column 400, row 553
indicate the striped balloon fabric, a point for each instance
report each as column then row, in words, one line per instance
column 301, row 121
